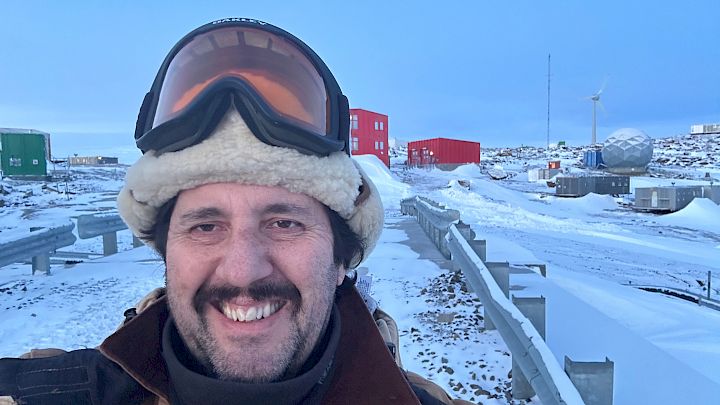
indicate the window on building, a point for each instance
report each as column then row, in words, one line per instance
column 382, row 126
column 382, row 145
column 377, row 144
column 377, row 125
column 15, row 162
column 355, row 144
column 353, row 121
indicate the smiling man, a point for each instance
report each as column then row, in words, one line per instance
column 247, row 190
column 252, row 304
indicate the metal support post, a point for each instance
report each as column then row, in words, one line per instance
column 534, row 310
column 442, row 244
column 109, row 243
column 465, row 231
column 593, row 380
column 709, row 284
column 500, row 271
column 480, row 248
column 40, row 262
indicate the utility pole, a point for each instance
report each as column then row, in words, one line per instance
column 594, row 121
column 548, row 104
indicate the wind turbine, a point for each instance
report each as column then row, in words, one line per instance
column 595, row 98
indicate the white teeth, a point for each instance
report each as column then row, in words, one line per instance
column 252, row 313
column 227, row 311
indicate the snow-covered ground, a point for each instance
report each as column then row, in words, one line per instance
column 597, row 249
column 594, row 246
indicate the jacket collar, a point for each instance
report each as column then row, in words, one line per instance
column 136, row 348
column 365, row 370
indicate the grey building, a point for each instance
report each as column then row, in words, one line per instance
column 668, row 199
column 93, row 160
column 578, row 186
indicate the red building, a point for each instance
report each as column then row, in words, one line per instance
column 442, row 151
column 369, row 134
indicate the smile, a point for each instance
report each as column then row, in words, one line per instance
column 250, row 314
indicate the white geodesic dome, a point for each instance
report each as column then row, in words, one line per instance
column 627, row 149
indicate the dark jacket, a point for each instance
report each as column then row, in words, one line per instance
column 128, row 367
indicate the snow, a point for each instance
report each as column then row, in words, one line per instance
column 75, row 307
column 700, row 214
column 665, row 350
column 604, row 324
column 46, row 225
column 391, row 190
column 419, row 294
column 530, row 338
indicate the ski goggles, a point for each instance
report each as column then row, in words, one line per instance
column 285, row 93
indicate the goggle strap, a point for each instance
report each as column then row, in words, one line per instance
column 275, row 133
column 344, row 112
column 141, row 122
column 204, row 121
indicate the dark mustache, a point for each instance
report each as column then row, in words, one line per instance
column 259, row 291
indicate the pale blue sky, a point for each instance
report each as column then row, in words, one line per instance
column 462, row 69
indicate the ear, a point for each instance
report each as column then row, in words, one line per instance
column 341, row 274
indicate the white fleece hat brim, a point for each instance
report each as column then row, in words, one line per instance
column 233, row 154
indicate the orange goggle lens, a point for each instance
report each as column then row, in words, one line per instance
column 279, row 73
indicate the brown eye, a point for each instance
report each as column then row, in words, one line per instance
column 206, row 227
column 286, row 224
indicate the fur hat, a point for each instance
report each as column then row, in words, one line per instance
column 233, row 154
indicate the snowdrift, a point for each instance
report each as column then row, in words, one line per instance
column 701, row 214
column 391, row 189
column 470, row 170
column 589, row 204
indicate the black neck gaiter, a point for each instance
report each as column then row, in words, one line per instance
column 189, row 386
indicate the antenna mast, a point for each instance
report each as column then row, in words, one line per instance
column 548, row 104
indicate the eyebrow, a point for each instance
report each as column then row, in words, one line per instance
column 201, row 214
column 286, row 208
column 207, row 213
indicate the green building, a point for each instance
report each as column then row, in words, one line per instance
column 24, row 152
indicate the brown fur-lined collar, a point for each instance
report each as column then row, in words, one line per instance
column 365, row 372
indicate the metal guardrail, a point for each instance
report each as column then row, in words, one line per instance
column 38, row 245
column 433, row 218
column 520, row 321
column 528, row 348
column 105, row 225
column 92, row 225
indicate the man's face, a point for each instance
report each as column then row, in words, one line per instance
column 250, row 278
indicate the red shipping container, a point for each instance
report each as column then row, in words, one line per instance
column 554, row 164
column 369, row 134
column 442, row 151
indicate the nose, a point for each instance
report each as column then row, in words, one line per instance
column 245, row 260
